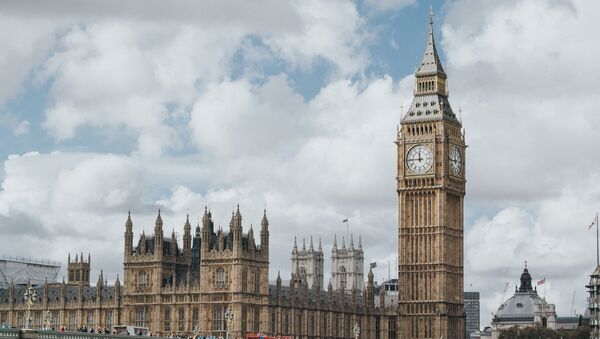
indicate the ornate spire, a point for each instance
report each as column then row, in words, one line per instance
column 265, row 222
column 334, row 242
column 359, row 242
column 320, row 245
column 431, row 63
column 431, row 95
column 159, row 222
column 303, row 245
column 351, row 241
column 295, row 249
column 128, row 223
column 311, row 248
column 343, row 242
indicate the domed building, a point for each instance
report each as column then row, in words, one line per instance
column 524, row 308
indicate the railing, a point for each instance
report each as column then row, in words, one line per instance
column 10, row 333
column 41, row 334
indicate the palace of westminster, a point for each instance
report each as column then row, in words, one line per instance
column 168, row 288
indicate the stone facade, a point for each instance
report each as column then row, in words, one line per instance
column 593, row 303
column 347, row 265
column 309, row 263
column 171, row 289
column 524, row 308
column 431, row 188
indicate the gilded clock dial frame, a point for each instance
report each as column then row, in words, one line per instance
column 419, row 159
column 455, row 160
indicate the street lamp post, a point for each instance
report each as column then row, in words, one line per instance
column 356, row 330
column 228, row 320
column 196, row 331
column 30, row 297
column 47, row 320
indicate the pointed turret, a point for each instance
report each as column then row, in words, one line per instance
column 311, row 248
column 173, row 245
column 431, row 64
column 206, row 222
column 343, row 242
column 128, row 235
column 187, row 237
column 158, row 223
column 351, row 241
column 303, row 245
column 431, row 95
column 264, row 235
column 251, row 242
column 100, row 281
column 295, row 249
column 158, row 236
column 359, row 243
column 320, row 245
column 334, row 242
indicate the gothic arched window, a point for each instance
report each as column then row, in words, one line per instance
column 143, row 279
column 343, row 277
column 220, row 278
column 257, row 282
column 244, row 280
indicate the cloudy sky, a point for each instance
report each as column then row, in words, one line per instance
column 107, row 107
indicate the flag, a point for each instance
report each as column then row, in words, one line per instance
column 541, row 282
column 345, row 220
column 593, row 222
column 373, row 265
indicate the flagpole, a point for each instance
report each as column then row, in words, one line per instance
column 597, row 246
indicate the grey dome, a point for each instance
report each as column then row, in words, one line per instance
column 520, row 306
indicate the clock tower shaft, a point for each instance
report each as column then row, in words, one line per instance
column 430, row 208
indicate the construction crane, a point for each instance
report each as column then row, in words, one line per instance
column 573, row 304
column 504, row 293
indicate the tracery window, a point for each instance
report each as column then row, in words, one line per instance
column 343, row 277
column 143, row 279
column 140, row 316
column 220, row 278
column 195, row 317
column 219, row 319
column 257, row 281
column 244, row 280
column 167, row 320
column 181, row 320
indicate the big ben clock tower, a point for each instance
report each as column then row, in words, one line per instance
column 431, row 188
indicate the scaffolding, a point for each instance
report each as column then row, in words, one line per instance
column 22, row 271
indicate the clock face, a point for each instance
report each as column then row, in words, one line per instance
column 455, row 160
column 419, row 159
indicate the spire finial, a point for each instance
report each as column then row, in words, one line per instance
column 525, row 263
column 430, row 16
